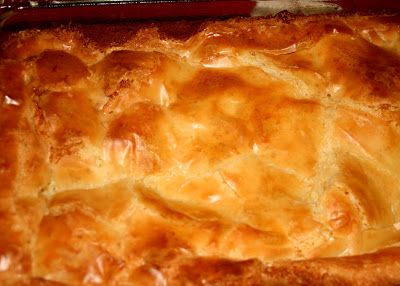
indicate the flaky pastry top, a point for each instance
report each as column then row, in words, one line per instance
column 247, row 151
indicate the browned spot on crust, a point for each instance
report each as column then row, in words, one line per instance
column 179, row 30
column 58, row 67
column 103, row 36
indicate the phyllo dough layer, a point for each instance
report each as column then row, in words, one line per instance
column 246, row 151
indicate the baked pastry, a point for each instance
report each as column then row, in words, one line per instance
column 247, row 151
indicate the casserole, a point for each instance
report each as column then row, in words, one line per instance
column 245, row 151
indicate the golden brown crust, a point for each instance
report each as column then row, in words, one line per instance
column 246, row 151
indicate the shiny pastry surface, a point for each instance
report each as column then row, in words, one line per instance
column 222, row 152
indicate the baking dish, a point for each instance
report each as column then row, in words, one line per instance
column 64, row 10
